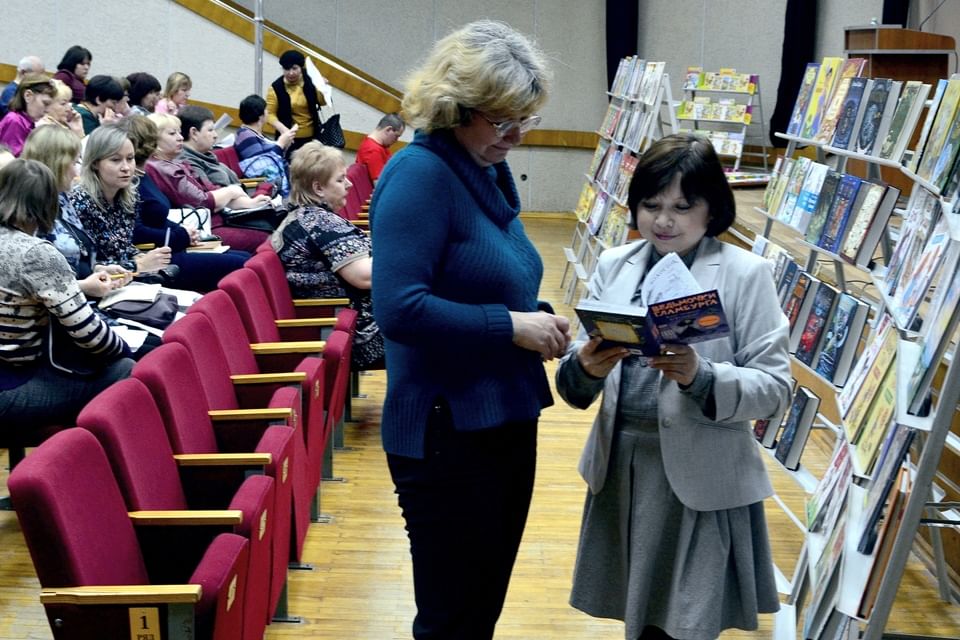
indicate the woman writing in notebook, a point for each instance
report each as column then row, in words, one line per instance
column 674, row 540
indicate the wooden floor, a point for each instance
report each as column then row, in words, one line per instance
column 360, row 586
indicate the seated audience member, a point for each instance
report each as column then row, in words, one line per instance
column 259, row 156
column 103, row 93
column 73, row 70
column 324, row 255
column 293, row 101
column 144, row 93
column 106, row 201
column 185, row 188
column 34, row 95
column 199, row 271
column 199, row 136
column 29, row 64
column 61, row 113
column 121, row 108
column 175, row 94
column 374, row 151
column 40, row 289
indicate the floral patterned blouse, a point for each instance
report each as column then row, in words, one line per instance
column 313, row 244
column 110, row 227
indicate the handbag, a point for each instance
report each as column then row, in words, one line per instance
column 261, row 219
column 158, row 313
column 331, row 133
column 193, row 218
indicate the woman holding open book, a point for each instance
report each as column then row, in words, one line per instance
column 455, row 284
column 674, row 539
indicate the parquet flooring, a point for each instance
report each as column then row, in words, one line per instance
column 360, row 586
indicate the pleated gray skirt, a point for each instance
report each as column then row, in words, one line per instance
column 646, row 559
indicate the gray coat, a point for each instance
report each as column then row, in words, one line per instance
column 711, row 464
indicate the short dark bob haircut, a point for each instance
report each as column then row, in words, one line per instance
column 701, row 178
column 141, row 84
column 75, row 55
column 251, row 108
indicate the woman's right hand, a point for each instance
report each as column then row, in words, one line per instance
column 96, row 285
column 540, row 331
column 598, row 363
column 287, row 136
column 154, row 260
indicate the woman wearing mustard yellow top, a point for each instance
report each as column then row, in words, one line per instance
column 293, row 101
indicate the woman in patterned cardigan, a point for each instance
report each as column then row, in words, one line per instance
column 324, row 255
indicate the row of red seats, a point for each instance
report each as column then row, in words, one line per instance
column 226, row 418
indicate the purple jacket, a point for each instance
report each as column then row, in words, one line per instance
column 14, row 129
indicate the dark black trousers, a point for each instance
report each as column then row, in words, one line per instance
column 465, row 507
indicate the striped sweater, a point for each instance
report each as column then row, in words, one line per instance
column 35, row 283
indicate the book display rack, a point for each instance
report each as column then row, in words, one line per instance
column 640, row 111
column 722, row 106
column 876, row 392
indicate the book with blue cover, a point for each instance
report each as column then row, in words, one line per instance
column 840, row 213
column 796, row 429
column 848, row 113
column 872, row 115
column 823, row 208
column 841, row 339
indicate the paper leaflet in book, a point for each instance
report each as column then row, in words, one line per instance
column 841, row 339
column 796, row 331
column 854, row 408
column 824, row 205
column 904, row 120
column 889, row 462
column 888, row 111
column 691, row 80
column 829, row 122
column 601, row 203
column 800, row 169
column 663, row 317
column 937, row 137
column 803, row 98
column 907, row 300
column 940, row 322
column 865, row 207
column 797, row 427
column 585, row 201
column 822, row 88
column 815, row 324
column 866, row 136
column 848, row 113
column 877, row 226
column 794, row 299
column 809, row 194
column 824, row 504
column 837, row 219
column 875, row 424
column 927, row 125
column 888, row 534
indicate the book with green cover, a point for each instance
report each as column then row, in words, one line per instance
column 824, row 205
column 904, row 120
column 941, row 127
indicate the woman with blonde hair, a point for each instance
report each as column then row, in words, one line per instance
column 324, row 255
column 456, row 299
column 175, row 94
column 61, row 112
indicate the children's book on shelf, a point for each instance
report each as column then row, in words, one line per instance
column 796, row 428
column 794, row 186
column 809, row 194
column 862, row 213
column 803, row 313
column 803, row 98
column 587, row 194
column 876, row 227
column 598, row 155
column 922, row 209
column 878, row 355
column 904, row 120
column 927, row 125
column 876, row 102
column 937, row 137
column 875, row 424
column 794, row 300
column 628, row 164
column 824, row 206
column 776, row 197
column 663, row 316
column 824, row 504
column 840, row 213
column 815, row 324
column 828, row 124
column 651, row 82
column 843, row 131
column 889, row 462
column 841, row 339
column 909, row 296
column 692, row 78
column 941, row 171
column 614, row 229
column 822, row 88
column 940, row 321
column 601, row 203
column 891, row 525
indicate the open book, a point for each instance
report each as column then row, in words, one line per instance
column 673, row 310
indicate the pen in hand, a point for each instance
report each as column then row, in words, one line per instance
column 166, row 238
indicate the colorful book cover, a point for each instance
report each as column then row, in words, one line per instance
column 601, row 203
column 875, row 424
column 831, row 489
column 809, row 194
column 875, row 343
column 906, row 302
column 787, row 276
column 687, row 320
column 829, row 122
column 800, row 168
column 862, row 395
column 798, row 291
column 927, row 125
column 691, row 80
column 587, row 195
column 841, row 339
column 892, row 454
column 796, row 428
column 848, row 113
column 873, row 112
column 599, row 153
column 860, row 219
column 840, row 212
column 777, row 197
column 941, row 127
column 904, row 119
column 878, row 227
column 889, row 109
column 852, row 67
column 772, row 182
column 824, row 205
column 765, row 432
column 822, row 88
column 614, row 228
column 815, row 324
column 948, row 156
column 803, row 98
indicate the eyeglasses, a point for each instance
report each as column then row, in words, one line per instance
column 507, row 127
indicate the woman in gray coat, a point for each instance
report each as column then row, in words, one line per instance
column 674, row 539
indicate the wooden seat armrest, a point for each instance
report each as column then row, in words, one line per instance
column 363, row 223
column 252, row 182
column 321, row 302
column 306, row 346
column 269, row 378
column 222, row 459
column 124, row 594
column 226, row 415
column 204, row 517
column 306, row 322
